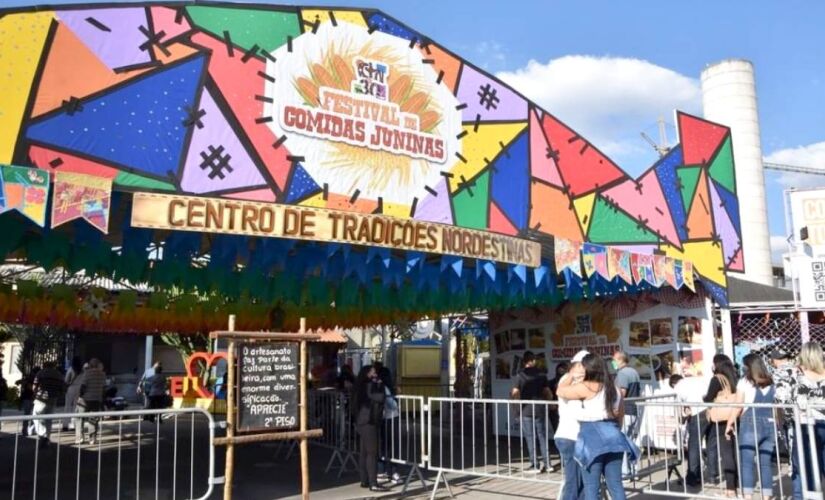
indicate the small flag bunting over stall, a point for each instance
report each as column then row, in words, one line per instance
column 659, row 270
column 568, row 256
column 80, row 196
column 618, row 264
column 25, row 190
column 594, row 259
column 687, row 275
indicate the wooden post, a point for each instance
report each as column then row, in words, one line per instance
column 229, row 471
column 303, row 416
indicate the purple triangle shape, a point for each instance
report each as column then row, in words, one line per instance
column 112, row 34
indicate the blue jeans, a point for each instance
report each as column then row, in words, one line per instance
column 572, row 474
column 629, row 428
column 757, row 441
column 528, row 425
column 804, row 441
column 608, row 465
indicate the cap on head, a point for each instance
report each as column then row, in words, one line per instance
column 779, row 354
column 579, row 357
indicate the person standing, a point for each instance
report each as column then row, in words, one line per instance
column 368, row 406
column 90, row 399
column 690, row 392
column 531, row 385
column 27, row 399
column 143, row 385
column 757, row 426
column 156, row 390
column 390, row 439
column 722, row 447
column 784, row 372
column 72, row 383
column 601, row 444
column 629, row 384
column 48, row 387
column 808, row 391
column 4, row 391
column 567, row 431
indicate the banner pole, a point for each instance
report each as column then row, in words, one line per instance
column 229, row 471
column 303, row 416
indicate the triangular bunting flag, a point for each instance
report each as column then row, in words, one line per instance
column 568, row 256
column 687, row 275
column 25, row 190
column 618, row 264
column 594, row 260
column 80, row 196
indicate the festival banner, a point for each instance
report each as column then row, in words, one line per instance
column 594, row 259
column 25, row 190
column 80, row 196
column 669, row 271
column 567, row 255
column 687, row 275
column 618, row 264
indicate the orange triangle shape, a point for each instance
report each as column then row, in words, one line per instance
column 72, row 70
column 499, row 223
column 443, row 61
column 552, row 212
column 699, row 222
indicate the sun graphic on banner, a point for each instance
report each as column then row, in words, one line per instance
column 364, row 111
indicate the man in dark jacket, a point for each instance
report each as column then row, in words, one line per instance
column 531, row 385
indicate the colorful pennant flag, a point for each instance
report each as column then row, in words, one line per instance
column 646, row 269
column 567, row 255
column 687, row 275
column 618, row 264
column 659, row 270
column 678, row 274
column 669, row 271
column 594, row 259
column 25, row 190
column 81, row 196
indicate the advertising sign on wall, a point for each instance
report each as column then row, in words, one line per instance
column 808, row 211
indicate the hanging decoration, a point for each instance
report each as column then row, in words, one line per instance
column 25, row 190
column 80, row 196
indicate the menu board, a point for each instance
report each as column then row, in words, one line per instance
column 268, row 386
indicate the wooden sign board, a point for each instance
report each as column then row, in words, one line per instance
column 251, row 218
column 268, row 386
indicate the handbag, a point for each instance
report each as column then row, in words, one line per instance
column 726, row 395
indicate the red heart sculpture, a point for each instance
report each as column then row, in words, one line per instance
column 191, row 369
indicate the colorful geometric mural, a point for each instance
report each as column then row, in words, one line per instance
column 278, row 103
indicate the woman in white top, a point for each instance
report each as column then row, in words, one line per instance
column 601, row 445
column 73, row 381
column 567, row 431
column 757, row 426
column 808, row 391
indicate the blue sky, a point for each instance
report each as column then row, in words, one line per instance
column 612, row 68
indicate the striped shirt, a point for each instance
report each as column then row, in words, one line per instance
column 92, row 385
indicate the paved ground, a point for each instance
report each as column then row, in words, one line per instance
column 124, row 461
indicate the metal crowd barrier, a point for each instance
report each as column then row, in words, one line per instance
column 129, row 457
column 489, row 438
column 706, row 461
column 403, row 440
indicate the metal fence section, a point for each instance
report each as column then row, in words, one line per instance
column 403, row 439
column 701, row 458
column 491, row 438
column 117, row 455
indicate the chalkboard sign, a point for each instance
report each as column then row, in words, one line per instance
column 268, row 386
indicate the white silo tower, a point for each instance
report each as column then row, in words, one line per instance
column 729, row 98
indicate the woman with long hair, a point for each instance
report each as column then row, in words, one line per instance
column 368, row 405
column 807, row 390
column 721, row 445
column 601, row 445
column 567, row 429
column 757, row 426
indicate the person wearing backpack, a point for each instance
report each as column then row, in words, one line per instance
column 721, row 445
column 756, row 427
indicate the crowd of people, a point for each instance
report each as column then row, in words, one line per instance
column 595, row 421
column 83, row 388
column 741, row 442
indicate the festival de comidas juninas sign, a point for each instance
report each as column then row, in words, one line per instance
column 364, row 112
column 217, row 215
